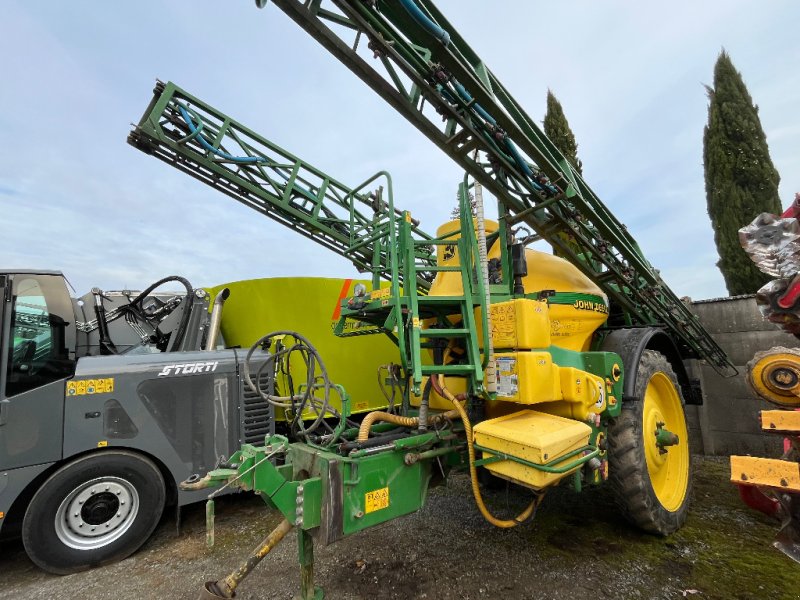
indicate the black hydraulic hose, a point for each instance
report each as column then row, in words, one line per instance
column 296, row 402
column 423, row 406
column 180, row 332
column 107, row 347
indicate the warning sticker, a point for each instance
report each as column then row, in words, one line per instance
column 507, row 382
column 376, row 500
column 90, row 386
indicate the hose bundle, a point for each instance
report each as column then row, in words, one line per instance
column 313, row 395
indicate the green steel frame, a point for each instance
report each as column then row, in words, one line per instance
column 400, row 313
column 231, row 158
column 437, row 82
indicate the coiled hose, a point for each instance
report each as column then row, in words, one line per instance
column 300, row 402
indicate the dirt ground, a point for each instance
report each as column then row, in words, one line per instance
column 577, row 548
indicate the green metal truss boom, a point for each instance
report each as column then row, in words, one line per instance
column 197, row 139
column 409, row 53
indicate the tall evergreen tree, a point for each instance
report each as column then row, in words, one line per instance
column 741, row 181
column 557, row 129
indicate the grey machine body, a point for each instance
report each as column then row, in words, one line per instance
column 142, row 382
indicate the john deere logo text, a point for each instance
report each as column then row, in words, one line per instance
column 589, row 305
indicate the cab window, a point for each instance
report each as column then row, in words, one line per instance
column 37, row 353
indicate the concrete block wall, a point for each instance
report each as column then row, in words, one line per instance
column 727, row 422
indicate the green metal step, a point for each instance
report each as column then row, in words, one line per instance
column 444, row 333
column 360, row 332
column 454, row 300
column 439, row 269
column 448, row 369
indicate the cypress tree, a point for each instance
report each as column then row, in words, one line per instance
column 557, row 129
column 741, row 181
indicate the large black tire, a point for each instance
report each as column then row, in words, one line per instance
column 631, row 477
column 93, row 511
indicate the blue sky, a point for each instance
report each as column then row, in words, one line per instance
column 74, row 75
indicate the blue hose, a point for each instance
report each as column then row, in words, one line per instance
column 422, row 19
column 440, row 34
column 205, row 144
column 467, row 97
column 521, row 162
column 195, row 134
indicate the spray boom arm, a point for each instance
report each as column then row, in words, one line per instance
column 199, row 140
column 431, row 76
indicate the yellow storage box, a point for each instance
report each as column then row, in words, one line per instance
column 532, row 436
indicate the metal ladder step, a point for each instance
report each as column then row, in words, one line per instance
column 444, row 333
column 448, row 369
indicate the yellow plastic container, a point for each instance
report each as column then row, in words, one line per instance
column 519, row 324
column 532, row 436
column 527, row 377
column 571, row 325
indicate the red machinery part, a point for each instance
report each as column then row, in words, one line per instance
column 788, row 299
column 758, row 500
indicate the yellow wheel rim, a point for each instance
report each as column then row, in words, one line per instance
column 775, row 376
column 669, row 470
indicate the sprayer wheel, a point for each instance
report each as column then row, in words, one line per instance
column 652, row 483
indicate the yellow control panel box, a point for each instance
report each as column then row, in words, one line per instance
column 519, row 324
column 527, row 377
column 532, row 436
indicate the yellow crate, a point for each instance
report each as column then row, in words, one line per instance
column 527, row 377
column 532, row 436
column 519, row 324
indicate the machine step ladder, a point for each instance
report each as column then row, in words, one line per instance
column 423, row 325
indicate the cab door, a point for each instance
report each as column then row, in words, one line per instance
column 38, row 339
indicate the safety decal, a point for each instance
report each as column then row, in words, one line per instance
column 376, row 500
column 507, row 378
column 84, row 387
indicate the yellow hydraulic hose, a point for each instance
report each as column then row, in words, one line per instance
column 378, row 415
column 473, row 473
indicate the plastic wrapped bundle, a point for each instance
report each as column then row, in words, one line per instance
column 773, row 244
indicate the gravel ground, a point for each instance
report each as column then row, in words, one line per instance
column 577, row 548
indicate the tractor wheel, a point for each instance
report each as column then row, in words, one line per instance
column 649, row 459
column 93, row 511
